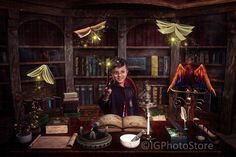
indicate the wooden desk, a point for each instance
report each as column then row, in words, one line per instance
column 116, row 149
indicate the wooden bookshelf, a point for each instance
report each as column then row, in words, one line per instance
column 6, row 107
column 36, row 63
column 95, row 47
column 40, row 46
column 37, row 46
column 209, row 49
column 148, row 47
column 89, row 68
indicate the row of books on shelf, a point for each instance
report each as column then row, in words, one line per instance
column 3, row 55
column 85, row 93
column 41, row 54
column 158, row 93
column 213, row 56
column 160, row 65
column 47, row 104
column 90, row 66
column 151, row 65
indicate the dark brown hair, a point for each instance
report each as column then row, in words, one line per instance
column 118, row 62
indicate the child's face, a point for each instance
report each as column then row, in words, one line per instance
column 119, row 74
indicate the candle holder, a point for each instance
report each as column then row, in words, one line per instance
column 146, row 108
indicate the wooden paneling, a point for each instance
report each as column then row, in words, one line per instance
column 69, row 77
column 230, row 77
column 146, row 34
column 41, row 33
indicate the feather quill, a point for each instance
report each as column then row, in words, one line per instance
column 183, row 114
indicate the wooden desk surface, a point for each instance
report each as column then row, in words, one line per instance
column 161, row 146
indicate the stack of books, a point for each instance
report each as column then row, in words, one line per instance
column 71, row 102
column 57, row 125
column 176, row 136
column 72, row 96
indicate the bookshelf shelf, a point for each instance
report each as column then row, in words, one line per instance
column 89, row 69
column 210, row 50
column 216, row 80
column 204, row 47
column 95, row 47
column 209, row 65
column 150, row 77
column 40, row 47
column 38, row 63
column 37, row 47
column 215, row 65
column 33, row 81
column 4, row 64
column 148, row 47
column 90, row 77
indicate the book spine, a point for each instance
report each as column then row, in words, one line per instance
column 166, row 65
column 223, row 57
column 154, row 94
column 160, row 95
column 201, row 57
column 87, row 65
column 101, row 87
column 82, row 93
column 154, row 65
column 102, row 66
column 160, row 65
column 206, row 57
column 76, row 66
column 94, row 66
column 148, row 66
column 90, row 92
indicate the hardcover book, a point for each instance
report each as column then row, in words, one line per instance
column 176, row 136
column 154, row 65
column 115, row 123
column 57, row 125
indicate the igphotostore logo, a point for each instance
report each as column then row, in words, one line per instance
column 159, row 145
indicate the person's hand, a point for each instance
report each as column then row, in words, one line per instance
column 106, row 93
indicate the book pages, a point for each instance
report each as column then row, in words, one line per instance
column 134, row 122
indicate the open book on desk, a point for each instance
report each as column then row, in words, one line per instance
column 115, row 123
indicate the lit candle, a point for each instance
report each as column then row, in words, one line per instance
column 148, row 123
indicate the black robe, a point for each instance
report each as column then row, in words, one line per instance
column 119, row 97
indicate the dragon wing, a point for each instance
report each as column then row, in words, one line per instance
column 201, row 75
column 178, row 77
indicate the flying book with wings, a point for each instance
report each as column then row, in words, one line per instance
column 86, row 31
column 192, row 79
